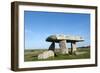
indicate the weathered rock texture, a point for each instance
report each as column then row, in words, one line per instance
column 52, row 46
column 46, row 54
column 63, row 40
column 63, row 48
column 73, row 48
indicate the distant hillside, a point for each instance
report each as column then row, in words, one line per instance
column 85, row 46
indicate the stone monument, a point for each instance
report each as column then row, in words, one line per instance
column 63, row 40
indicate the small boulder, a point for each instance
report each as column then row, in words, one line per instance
column 46, row 54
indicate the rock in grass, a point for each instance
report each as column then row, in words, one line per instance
column 46, row 54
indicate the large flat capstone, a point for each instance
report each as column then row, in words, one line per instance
column 63, row 40
column 57, row 38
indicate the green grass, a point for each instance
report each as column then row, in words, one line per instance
column 31, row 55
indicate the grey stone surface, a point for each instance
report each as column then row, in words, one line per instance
column 57, row 38
column 52, row 46
column 63, row 47
column 63, row 40
column 46, row 54
column 73, row 48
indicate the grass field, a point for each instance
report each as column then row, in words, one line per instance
column 31, row 55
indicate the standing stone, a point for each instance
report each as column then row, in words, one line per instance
column 63, row 47
column 52, row 46
column 73, row 48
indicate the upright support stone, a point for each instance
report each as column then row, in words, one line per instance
column 63, row 40
column 63, row 47
column 52, row 46
column 73, row 48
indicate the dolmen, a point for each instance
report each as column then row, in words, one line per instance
column 62, row 40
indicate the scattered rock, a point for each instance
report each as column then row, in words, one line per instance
column 46, row 54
